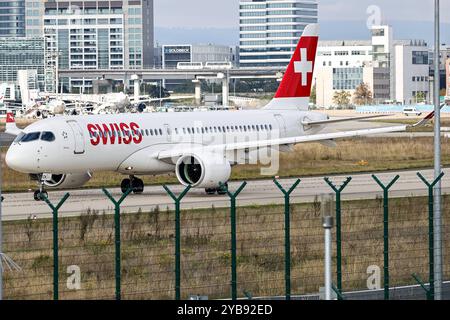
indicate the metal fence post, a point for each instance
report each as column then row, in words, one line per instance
column 287, row 234
column 55, row 242
column 233, row 197
column 177, row 201
column 118, row 271
column 338, row 191
column 386, row 230
column 430, row 186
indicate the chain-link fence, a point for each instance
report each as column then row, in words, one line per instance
column 378, row 244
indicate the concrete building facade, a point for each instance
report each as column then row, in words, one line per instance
column 447, row 77
column 270, row 29
column 393, row 70
column 412, row 70
column 97, row 35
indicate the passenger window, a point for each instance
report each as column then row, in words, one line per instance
column 48, row 136
column 31, row 137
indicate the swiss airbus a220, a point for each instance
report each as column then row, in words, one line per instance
column 200, row 147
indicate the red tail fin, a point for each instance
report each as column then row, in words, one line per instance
column 295, row 88
column 10, row 118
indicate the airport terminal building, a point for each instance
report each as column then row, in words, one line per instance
column 270, row 29
column 193, row 53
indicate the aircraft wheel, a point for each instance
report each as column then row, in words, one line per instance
column 125, row 185
column 210, row 191
column 223, row 189
column 138, row 186
column 38, row 195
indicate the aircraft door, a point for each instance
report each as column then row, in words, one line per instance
column 168, row 132
column 78, row 138
column 281, row 125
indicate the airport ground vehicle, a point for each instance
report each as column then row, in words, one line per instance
column 411, row 111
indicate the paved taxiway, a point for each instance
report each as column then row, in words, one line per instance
column 22, row 205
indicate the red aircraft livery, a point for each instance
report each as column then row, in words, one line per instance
column 114, row 133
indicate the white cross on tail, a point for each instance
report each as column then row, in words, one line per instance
column 303, row 66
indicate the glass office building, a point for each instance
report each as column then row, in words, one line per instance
column 20, row 53
column 12, row 18
column 270, row 30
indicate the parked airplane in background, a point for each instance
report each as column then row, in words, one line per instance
column 117, row 102
column 201, row 147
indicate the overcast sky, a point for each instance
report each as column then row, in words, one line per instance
column 223, row 14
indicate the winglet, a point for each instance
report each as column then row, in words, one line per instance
column 427, row 119
column 11, row 127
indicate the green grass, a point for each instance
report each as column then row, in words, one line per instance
column 147, row 250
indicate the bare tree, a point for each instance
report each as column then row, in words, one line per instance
column 362, row 95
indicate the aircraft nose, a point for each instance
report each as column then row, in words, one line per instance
column 16, row 160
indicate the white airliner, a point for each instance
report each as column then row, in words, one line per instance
column 201, row 147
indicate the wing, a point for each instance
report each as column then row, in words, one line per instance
column 178, row 151
column 136, row 102
column 317, row 123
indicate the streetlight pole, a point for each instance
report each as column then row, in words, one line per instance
column 437, row 161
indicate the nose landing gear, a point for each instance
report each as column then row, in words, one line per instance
column 136, row 184
column 41, row 192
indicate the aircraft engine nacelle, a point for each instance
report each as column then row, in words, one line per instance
column 206, row 170
column 57, row 107
column 67, row 181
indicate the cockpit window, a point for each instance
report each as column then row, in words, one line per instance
column 19, row 137
column 48, row 136
column 32, row 136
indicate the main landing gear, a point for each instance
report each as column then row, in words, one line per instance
column 220, row 190
column 41, row 192
column 136, row 184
